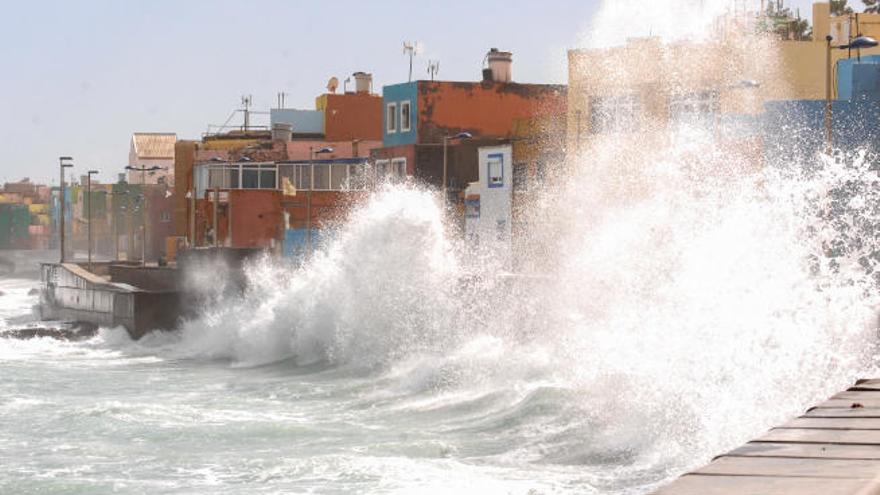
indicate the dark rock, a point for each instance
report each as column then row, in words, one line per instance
column 77, row 332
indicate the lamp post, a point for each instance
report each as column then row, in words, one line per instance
column 458, row 137
column 858, row 43
column 143, row 170
column 113, row 221
column 89, row 175
column 314, row 154
column 62, row 162
column 216, row 205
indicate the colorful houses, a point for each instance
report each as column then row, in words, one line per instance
column 422, row 119
column 25, row 221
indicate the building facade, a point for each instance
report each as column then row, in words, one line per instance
column 418, row 116
column 148, row 150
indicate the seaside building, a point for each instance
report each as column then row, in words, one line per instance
column 420, row 115
column 723, row 84
column 488, row 202
column 255, row 188
column 25, row 216
column 152, row 149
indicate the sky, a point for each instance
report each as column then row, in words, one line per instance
column 78, row 78
column 81, row 77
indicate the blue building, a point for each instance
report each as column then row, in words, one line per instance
column 794, row 131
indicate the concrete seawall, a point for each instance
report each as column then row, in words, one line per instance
column 833, row 449
column 69, row 292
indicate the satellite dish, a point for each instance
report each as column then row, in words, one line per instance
column 332, row 84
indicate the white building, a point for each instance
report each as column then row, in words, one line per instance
column 149, row 149
column 488, row 202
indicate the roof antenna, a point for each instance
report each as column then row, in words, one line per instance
column 246, row 101
column 413, row 49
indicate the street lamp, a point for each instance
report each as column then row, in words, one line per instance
column 62, row 165
column 314, row 154
column 89, row 175
column 143, row 170
column 113, row 220
column 460, row 136
column 858, row 43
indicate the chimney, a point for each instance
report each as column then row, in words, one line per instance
column 362, row 82
column 500, row 65
column 282, row 131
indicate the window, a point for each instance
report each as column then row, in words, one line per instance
column 303, row 177
column 615, row 113
column 267, row 178
column 693, row 107
column 495, row 170
column 472, row 208
column 398, row 169
column 382, row 169
column 391, row 118
column 338, row 176
column 250, row 177
column 405, row 116
column 321, row 177
column 501, row 230
column 357, row 177
column 165, row 217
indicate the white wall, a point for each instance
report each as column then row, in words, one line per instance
column 492, row 228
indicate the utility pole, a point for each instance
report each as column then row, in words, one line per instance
column 246, row 102
column 89, row 175
column 143, row 170
column 62, row 162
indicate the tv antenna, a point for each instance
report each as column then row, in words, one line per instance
column 433, row 68
column 246, row 102
column 412, row 48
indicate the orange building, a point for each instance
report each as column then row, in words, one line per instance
column 419, row 115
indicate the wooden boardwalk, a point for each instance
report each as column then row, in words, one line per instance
column 833, row 449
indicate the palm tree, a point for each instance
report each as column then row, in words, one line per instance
column 872, row 6
column 839, row 7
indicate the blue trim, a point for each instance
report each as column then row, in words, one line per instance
column 500, row 157
column 347, row 161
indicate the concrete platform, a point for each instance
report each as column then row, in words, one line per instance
column 834, row 448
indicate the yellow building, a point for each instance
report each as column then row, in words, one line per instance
column 646, row 84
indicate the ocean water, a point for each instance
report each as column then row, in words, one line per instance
column 673, row 329
column 665, row 305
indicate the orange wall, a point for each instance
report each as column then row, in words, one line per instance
column 184, row 154
column 256, row 217
column 351, row 116
column 327, row 207
column 483, row 109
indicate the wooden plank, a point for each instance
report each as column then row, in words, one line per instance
column 863, row 437
column 845, row 403
column 846, row 412
column 807, row 450
column 766, row 485
column 873, row 384
column 858, row 395
column 834, row 423
column 796, row 467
